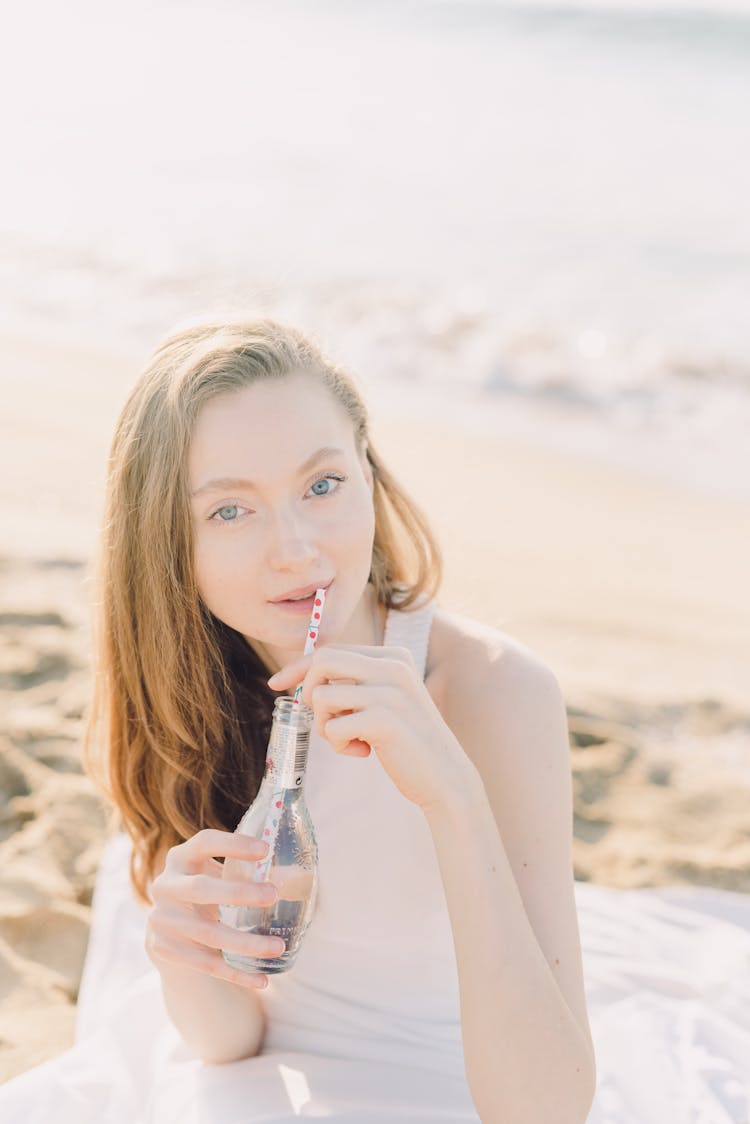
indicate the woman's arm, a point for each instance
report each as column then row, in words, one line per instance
column 217, row 1020
column 504, row 847
column 218, row 1010
column 491, row 771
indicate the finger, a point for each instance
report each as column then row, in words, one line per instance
column 356, row 748
column 228, row 939
column 368, row 727
column 209, row 842
column 361, row 671
column 206, row 889
column 192, row 929
column 342, row 696
column 333, row 666
column 331, row 699
column 293, row 673
column 204, row 960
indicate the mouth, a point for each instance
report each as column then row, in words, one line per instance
column 300, row 600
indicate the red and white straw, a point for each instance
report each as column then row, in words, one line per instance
column 312, row 631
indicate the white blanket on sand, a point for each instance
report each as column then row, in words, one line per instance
column 667, row 976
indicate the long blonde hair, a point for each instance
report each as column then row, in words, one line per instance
column 181, row 710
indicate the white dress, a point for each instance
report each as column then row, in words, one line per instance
column 366, row 1026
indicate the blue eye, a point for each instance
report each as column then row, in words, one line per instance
column 325, row 480
column 229, row 513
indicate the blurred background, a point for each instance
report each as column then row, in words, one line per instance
column 524, row 227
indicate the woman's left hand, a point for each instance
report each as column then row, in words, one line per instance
column 368, row 698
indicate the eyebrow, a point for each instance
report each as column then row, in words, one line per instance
column 224, row 483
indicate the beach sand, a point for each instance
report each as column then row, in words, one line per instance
column 633, row 590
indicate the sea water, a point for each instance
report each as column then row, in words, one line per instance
column 518, row 202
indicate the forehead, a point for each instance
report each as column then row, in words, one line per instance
column 272, row 424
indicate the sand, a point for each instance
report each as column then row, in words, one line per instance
column 631, row 588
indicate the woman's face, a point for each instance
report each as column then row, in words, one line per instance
column 273, row 515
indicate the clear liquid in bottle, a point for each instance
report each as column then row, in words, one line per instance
column 279, row 815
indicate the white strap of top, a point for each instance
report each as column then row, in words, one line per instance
column 411, row 629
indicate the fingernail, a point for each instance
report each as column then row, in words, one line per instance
column 273, row 677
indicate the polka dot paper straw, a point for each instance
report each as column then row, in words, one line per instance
column 312, row 630
column 271, row 826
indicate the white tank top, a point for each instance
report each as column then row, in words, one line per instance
column 376, row 976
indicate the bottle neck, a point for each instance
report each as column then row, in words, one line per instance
column 288, row 745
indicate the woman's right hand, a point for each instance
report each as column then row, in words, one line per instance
column 183, row 926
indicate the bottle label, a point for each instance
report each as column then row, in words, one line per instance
column 287, row 762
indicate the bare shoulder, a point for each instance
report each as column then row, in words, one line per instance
column 493, row 691
column 467, row 658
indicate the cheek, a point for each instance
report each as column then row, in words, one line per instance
column 358, row 511
column 220, row 575
column 358, row 534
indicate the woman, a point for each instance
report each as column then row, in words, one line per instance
column 445, row 944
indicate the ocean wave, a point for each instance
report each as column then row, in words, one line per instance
column 457, row 338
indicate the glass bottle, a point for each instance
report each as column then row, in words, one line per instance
column 280, row 817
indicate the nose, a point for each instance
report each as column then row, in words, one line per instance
column 291, row 544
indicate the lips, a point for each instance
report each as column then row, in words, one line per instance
column 304, row 591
